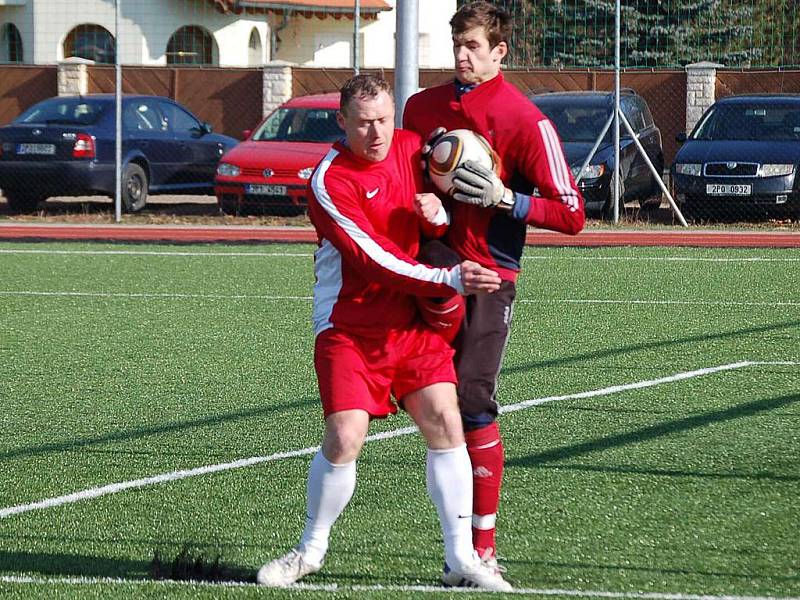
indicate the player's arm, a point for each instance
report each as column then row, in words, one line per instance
column 338, row 217
column 557, row 206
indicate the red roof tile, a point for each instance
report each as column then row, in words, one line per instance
column 318, row 6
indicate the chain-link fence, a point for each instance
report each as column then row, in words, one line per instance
column 202, row 78
column 654, row 34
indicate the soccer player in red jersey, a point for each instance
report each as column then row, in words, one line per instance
column 489, row 217
column 370, row 344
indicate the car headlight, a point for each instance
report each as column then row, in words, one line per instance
column 590, row 172
column 228, row 170
column 694, row 169
column 305, row 173
column 775, row 170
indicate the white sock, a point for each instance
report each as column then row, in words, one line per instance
column 449, row 474
column 328, row 491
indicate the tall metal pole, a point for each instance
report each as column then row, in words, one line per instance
column 406, row 80
column 356, row 36
column 617, row 170
column 118, row 116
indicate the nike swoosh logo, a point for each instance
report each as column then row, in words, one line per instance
column 371, row 195
column 464, row 516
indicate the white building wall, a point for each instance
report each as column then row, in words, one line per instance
column 434, row 27
column 377, row 39
column 146, row 26
column 22, row 18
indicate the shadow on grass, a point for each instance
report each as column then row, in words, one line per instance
column 186, row 565
column 73, row 565
column 662, row 429
column 119, row 436
column 649, row 346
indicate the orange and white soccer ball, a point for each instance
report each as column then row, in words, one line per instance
column 452, row 150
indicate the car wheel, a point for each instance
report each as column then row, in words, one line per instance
column 608, row 207
column 22, row 202
column 134, row 188
column 228, row 204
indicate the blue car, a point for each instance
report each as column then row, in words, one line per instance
column 65, row 146
column 579, row 118
column 741, row 159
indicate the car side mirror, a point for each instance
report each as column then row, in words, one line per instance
column 206, row 128
column 246, row 133
column 681, row 137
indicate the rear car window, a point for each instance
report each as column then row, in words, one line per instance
column 68, row 111
column 300, row 125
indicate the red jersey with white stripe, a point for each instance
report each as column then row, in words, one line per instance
column 368, row 234
column 532, row 164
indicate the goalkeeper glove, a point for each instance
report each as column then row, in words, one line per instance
column 475, row 184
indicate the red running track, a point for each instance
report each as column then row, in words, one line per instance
column 203, row 234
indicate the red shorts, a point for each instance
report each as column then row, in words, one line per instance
column 356, row 372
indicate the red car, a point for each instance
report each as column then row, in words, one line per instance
column 268, row 171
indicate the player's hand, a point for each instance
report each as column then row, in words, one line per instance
column 477, row 279
column 428, row 147
column 428, row 207
column 478, row 185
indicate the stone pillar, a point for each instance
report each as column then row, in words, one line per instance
column 277, row 85
column 73, row 77
column 701, row 82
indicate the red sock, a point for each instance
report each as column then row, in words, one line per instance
column 486, row 453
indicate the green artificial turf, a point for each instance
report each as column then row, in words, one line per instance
column 121, row 362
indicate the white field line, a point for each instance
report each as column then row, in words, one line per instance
column 663, row 302
column 300, row 587
column 164, row 296
column 744, row 259
column 178, row 296
column 115, row 488
column 156, row 253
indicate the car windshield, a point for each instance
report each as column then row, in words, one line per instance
column 300, row 125
column 577, row 123
column 752, row 122
column 67, row 111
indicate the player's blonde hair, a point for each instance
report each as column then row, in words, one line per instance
column 362, row 86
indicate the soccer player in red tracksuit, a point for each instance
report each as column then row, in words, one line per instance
column 370, row 342
column 488, row 223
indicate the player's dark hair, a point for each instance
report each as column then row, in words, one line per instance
column 362, row 86
column 495, row 21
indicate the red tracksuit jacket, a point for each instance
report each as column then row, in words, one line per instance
column 532, row 164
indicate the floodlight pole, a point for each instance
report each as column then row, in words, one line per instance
column 118, row 118
column 356, row 34
column 617, row 170
column 406, row 81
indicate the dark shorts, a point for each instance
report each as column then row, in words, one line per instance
column 480, row 346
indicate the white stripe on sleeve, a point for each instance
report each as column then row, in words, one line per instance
column 387, row 260
column 559, row 171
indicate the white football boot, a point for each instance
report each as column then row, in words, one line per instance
column 480, row 574
column 286, row 570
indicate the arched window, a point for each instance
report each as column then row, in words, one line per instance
column 191, row 45
column 254, row 49
column 11, row 50
column 92, row 42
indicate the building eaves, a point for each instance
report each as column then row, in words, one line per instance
column 334, row 7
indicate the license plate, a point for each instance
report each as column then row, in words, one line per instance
column 728, row 189
column 265, row 190
column 36, row 149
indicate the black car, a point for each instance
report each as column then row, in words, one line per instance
column 65, row 146
column 741, row 159
column 579, row 118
